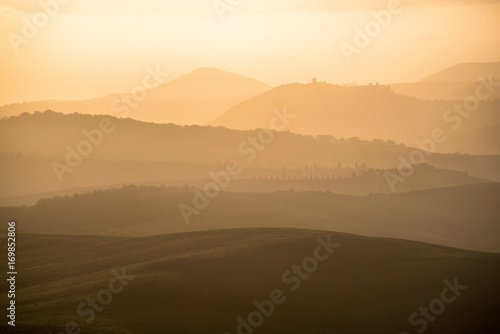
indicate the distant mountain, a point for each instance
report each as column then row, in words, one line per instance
column 365, row 111
column 208, row 84
column 194, row 98
column 466, row 72
column 452, row 84
column 440, row 90
column 203, row 282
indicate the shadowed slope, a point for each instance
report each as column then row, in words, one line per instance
column 201, row 282
column 464, row 217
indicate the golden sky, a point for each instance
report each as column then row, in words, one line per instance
column 95, row 47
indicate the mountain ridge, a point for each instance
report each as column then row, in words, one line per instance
column 465, row 72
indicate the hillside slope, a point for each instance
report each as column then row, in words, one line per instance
column 202, row 282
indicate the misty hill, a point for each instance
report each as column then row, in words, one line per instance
column 453, row 84
column 364, row 111
column 432, row 90
column 202, row 282
column 465, row 72
column 48, row 134
column 137, row 152
column 463, row 217
column 26, row 179
column 208, row 84
column 486, row 137
column 373, row 181
column 194, row 98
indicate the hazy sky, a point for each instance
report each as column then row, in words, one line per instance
column 95, row 47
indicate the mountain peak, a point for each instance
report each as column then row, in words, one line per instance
column 209, row 83
column 209, row 70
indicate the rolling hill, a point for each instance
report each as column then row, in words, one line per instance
column 26, row 180
column 138, row 152
column 204, row 281
column 463, row 216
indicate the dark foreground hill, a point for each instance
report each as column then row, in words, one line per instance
column 203, row 282
column 463, row 217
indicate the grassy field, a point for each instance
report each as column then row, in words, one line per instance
column 201, row 282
